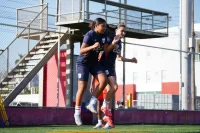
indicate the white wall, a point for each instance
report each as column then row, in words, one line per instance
column 197, row 78
column 154, row 65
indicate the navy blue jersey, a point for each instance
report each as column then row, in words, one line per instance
column 90, row 39
column 108, row 60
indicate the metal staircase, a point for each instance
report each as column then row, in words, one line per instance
column 18, row 78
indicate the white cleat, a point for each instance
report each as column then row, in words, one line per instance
column 92, row 108
column 78, row 120
column 98, row 126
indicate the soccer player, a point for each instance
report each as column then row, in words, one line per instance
column 94, row 41
column 108, row 62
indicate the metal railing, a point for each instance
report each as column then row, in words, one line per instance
column 134, row 19
column 154, row 105
column 33, row 17
column 13, row 49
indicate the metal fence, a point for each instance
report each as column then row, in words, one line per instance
column 33, row 17
column 135, row 18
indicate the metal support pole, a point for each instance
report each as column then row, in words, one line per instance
column 41, row 72
column 192, row 49
column 72, row 9
column 180, row 43
column 57, row 10
column 58, row 70
column 69, row 73
column 17, row 21
column 105, row 10
column 124, row 55
column 87, row 9
column 28, row 39
column 186, row 34
column 152, row 21
column 80, row 10
column 7, row 60
column 119, row 13
column 141, row 22
column 167, row 24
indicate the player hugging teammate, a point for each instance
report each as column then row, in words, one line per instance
column 97, row 56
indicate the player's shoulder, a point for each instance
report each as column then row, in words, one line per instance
column 90, row 33
column 110, row 37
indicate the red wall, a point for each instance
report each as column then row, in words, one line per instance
column 130, row 88
column 50, row 81
column 170, row 88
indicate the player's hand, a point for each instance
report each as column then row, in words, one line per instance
column 134, row 60
column 116, row 46
column 116, row 39
column 92, row 88
column 96, row 45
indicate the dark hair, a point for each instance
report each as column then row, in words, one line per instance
column 110, row 30
column 97, row 21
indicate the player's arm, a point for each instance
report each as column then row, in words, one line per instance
column 112, row 44
column 121, row 58
column 85, row 47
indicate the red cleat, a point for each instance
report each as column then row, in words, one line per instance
column 108, row 120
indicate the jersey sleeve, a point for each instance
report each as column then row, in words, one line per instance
column 87, row 39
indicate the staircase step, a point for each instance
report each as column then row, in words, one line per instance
column 16, row 76
column 22, row 70
column 51, row 36
column 27, row 64
column 49, row 41
column 38, row 52
column 33, row 58
column 9, row 83
column 45, row 46
column 4, row 95
column 4, row 89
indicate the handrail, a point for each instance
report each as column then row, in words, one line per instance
column 25, row 29
column 32, row 6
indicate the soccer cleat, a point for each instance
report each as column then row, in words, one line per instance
column 98, row 126
column 106, row 111
column 78, row 120
column 109, row 121
column 92, row 108
column 107, row 126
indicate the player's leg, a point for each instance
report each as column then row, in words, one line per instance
column 112, row 88
column 100, row 113
column 98, row 72
column 83, row 74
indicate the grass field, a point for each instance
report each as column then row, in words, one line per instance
column 117, row 129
